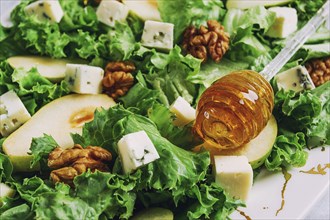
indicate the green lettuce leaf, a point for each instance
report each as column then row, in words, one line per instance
column 146, row 102
column 89, row 46
column 179, row 170
column 9, row 47
column 140, row 97
column 173, row 177
column 212, row 71
column 186, row 12
column 34, row 90
column 318, row 132
column 242, row 26
column 207, row 201
column 79, row 34
column 306, row 9
column 78, row 17
column 22, row 212
column 122, row 42
column 6, row 168
column 239, row 22
column 288, row 150
column 40, row 149
column 6, row 82
column 170, row 76
column 116, row 194
column 179, row 136
column 305, row 112
column 53, row 205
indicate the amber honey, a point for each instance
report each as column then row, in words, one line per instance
column 234, row 109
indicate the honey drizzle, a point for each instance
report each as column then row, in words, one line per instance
column 244, row 215
column 319, row 170
column 287, row 177
column 79, row 118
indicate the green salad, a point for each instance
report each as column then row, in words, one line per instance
column 181, row 180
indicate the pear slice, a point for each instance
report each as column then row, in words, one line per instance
column 257, row 150
column 51, row 69
column 146, row 10
column 154, row 213
column 243, row 4
column 59, row 118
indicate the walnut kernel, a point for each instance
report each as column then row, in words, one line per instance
column 118, row 78
column 68, row 163
column 211, row 41
column 319, row 70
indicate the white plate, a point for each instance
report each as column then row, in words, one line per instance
column 302, row 191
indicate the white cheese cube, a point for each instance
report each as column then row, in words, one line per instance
column 108, row 12
column 84, row 79
column 136, row 150
column 5, row 191
column 183, row 111
column 46, row 10
column 12, row 113
column 158, row 35
column 285, row 23
column 296, row 79
column 234, row 174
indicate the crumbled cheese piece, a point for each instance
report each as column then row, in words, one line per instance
column 158, row 35
column 296, row 79
column 46, row 10
column 286, row 22
column 234, row 174
column 136, row 150
column 108, row 12
column 84, row 79
column 12, row 113
column 183, row 111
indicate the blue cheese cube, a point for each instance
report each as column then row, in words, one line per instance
column 84, row 79
column 136, row 150
column 234, row 174
column 286, row 22
column 12, row 113
column 108, row 12
column 183, row 111
column 296, row 79
column 158, row 35
column 46, row 10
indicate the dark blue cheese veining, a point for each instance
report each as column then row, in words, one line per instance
column 296, row 79
column 158, row 35
column 12, row 113
column 45, row 10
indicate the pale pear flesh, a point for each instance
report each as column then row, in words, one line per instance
column 59, row 119
column 244, row 4
column 257, row 150
column 51, row 69
column 146, row 10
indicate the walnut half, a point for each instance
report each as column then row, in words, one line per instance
column 72, row 162
column 319, row 70
column 211, row 41
column 118, row 78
